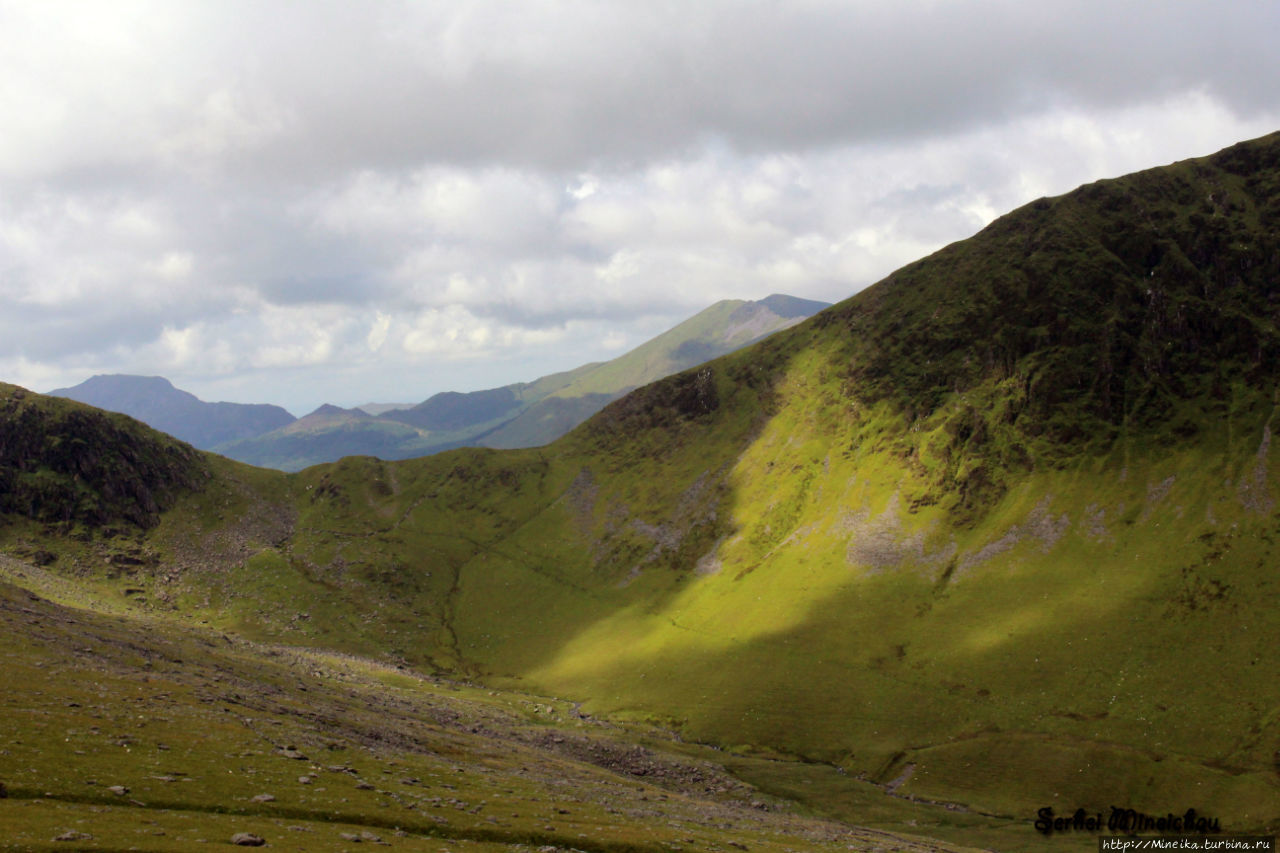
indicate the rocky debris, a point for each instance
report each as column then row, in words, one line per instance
column 1040, row 525
column 365, row 836
column 263, row 798
column 306, row 780
column 879, row 542
column 291, row 752
column 1252, row 490
column 637, row 761
column 901, row 779
column 581, row 497
column 118, row 790
column 73, row 835
column 248, row 839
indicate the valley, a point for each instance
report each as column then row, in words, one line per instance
column 993, row 535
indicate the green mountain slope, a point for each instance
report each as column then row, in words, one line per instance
column 67, row 465
column 997, row 533
column 135, row 733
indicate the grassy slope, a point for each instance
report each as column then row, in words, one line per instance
column 128, row 732
column 1010, row 523
column 997, row 530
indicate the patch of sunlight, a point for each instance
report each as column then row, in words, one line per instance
column 1000, row 630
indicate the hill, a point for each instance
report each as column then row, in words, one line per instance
column 154, row 401
column 330, row 432
column 70, row 466
column 994, row 535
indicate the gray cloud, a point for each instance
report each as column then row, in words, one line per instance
column 550, row 85
column 438, row 193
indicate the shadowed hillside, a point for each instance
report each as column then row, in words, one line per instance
column 66, row 462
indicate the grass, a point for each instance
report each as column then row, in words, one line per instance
column 142, row 733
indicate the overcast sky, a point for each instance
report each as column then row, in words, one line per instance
column 310, row 201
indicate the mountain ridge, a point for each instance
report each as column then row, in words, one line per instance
column 155, row 401
column 526, row 414
column 522, row 414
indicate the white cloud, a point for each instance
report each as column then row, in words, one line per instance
column 173, row 266
column 378, row 332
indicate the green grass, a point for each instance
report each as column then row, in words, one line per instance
column 142, row 733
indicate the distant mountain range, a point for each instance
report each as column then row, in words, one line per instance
column 524, row 414
column 154, row 401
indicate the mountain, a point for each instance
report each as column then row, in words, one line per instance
column 464, row 415
column 154, row 400
column 524, row 414
column 376, row 409
column 722, row 328
column 330, row 432
column 129, row 722
column 993, row 536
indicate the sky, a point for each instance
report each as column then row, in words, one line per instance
column 306, row 201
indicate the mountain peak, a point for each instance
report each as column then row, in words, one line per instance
column 155, row 401
column 328, row 410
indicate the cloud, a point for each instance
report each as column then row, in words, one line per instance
column 253, row 196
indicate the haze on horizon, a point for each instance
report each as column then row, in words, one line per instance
column 339, row 202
